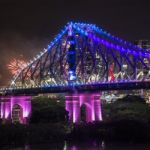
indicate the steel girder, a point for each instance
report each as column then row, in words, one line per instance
column 100, row 58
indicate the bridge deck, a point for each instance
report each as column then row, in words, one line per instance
column 78, row 88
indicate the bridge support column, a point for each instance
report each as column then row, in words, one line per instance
column 16, row 107
column 92, row 107
column 6, row 109
column 73, row 107
column 97, row 108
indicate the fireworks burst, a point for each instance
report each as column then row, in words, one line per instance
column 15, row 65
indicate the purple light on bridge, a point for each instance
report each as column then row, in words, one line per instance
column 9, row 103
column 93, row 110
column 97, row 106
column 92, row 107
column 24, row 102
column 7, row 110
column 75, row 111
column 2, row 112
column 118, row 47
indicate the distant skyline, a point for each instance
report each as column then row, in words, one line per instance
column 26, row 27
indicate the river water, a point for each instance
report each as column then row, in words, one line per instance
column 82, row 146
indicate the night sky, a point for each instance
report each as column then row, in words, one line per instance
column 26, row 27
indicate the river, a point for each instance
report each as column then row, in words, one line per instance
column 82, row 146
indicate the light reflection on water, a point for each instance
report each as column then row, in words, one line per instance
column 61, row 146
column 82, row 146
column 85, row 146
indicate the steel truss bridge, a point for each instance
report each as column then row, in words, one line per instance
column 84, row 57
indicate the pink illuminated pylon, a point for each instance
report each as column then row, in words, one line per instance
column 8, row 104
column 92, row 103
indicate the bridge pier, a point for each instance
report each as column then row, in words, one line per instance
column 92, row 105
column 15, row 108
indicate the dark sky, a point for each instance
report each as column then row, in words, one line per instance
column 26, row 27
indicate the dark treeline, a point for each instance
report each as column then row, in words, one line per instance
column 17, row 134
column 48, row 110
column 118, row 130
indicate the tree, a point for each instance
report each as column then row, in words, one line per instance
column 129, row 107
column 46, row 110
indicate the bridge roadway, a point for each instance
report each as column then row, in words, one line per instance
column 132, row 85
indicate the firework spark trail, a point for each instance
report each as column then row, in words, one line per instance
column 15, row 65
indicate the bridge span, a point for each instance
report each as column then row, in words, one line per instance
column 81, row 61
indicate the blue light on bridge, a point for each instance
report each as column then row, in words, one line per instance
column 96, row 36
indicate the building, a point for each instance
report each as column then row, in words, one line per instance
column 143, row 44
